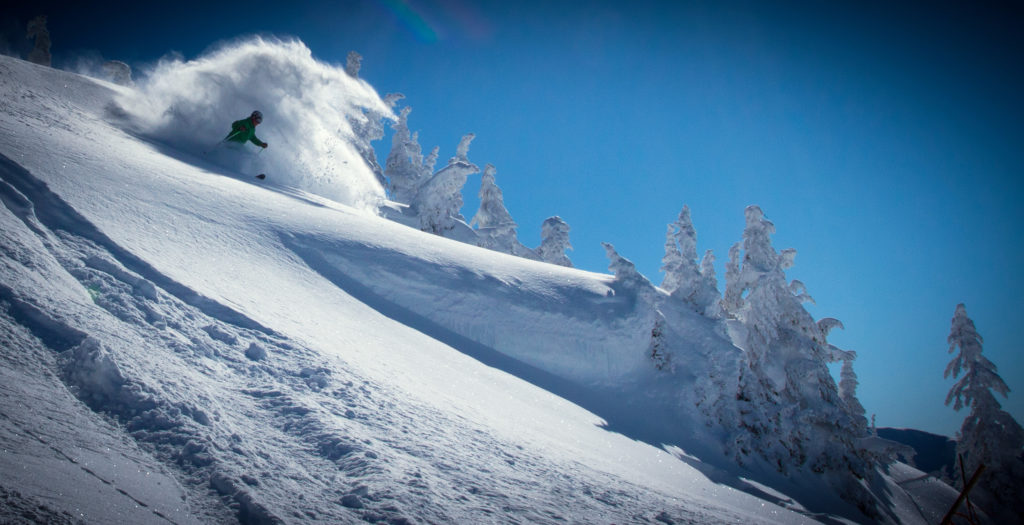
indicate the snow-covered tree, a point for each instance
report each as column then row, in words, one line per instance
column 791, row 411
column 631, row 283
column 712, row 308
column 40, row 53
column 625, row 271
column 680, row 254
column 496, row 228
column 657, row 351
column 554, row 241
column 989, row 435
column 848, row 393
column 118, row 72
column 438, row 201
column 847, row 377
column 492, row 212
column 684, row 280
column 353, row 62
column 405, row 167
column 368, row 127
column 732, row 300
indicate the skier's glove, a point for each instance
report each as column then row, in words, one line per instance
column 264, row 145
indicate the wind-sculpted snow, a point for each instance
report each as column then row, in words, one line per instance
column 581, row 336
column 305, row 103
column 585, row 335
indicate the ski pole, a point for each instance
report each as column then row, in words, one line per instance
column 223, row 140
column 229, row 137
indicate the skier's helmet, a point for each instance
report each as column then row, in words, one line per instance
column 256, row 117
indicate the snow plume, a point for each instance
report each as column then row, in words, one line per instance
column 306, row 105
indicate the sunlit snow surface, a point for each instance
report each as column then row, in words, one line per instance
column 183, row 343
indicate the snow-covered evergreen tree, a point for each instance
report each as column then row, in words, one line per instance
column 989, row 435
column 680, row 254
column 353, row 62
column 712, row 307
column 684, row 280
column 848, row 393
column 496, row 230
column 631, row 283
column 732, row 300
column 40, row 53
column 707, row 270
column 847, row 377
column 405, row 167
column 627, row 277
column 492, row 212
column 554, row 241
column 118, row 72
column 367, row 128
column 657, row 351
column 791, row 412
column 438, row 201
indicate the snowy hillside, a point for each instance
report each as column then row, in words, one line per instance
column 182, row 342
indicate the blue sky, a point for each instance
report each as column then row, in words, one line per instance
column 884, row 140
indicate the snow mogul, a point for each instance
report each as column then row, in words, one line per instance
column 244, row 130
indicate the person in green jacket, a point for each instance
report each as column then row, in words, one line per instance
column 244, row 130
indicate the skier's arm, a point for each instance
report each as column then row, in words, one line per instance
column 257, row 141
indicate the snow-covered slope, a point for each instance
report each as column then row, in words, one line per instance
column 183, row 343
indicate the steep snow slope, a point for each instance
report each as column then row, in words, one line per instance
column 170, row 299
column 232, row 349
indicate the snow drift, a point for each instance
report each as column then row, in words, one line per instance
column 191, row 104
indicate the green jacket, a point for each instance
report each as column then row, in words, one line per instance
column 244, row 130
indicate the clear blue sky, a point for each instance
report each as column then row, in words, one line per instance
column 884, row 140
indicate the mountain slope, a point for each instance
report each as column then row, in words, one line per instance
column 201, row 346
column 934, row 453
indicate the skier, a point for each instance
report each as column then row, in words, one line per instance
column 245, row 130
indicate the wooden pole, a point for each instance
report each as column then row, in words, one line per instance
column 963, row 495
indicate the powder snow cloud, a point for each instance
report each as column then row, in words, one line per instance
column 191, row 104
